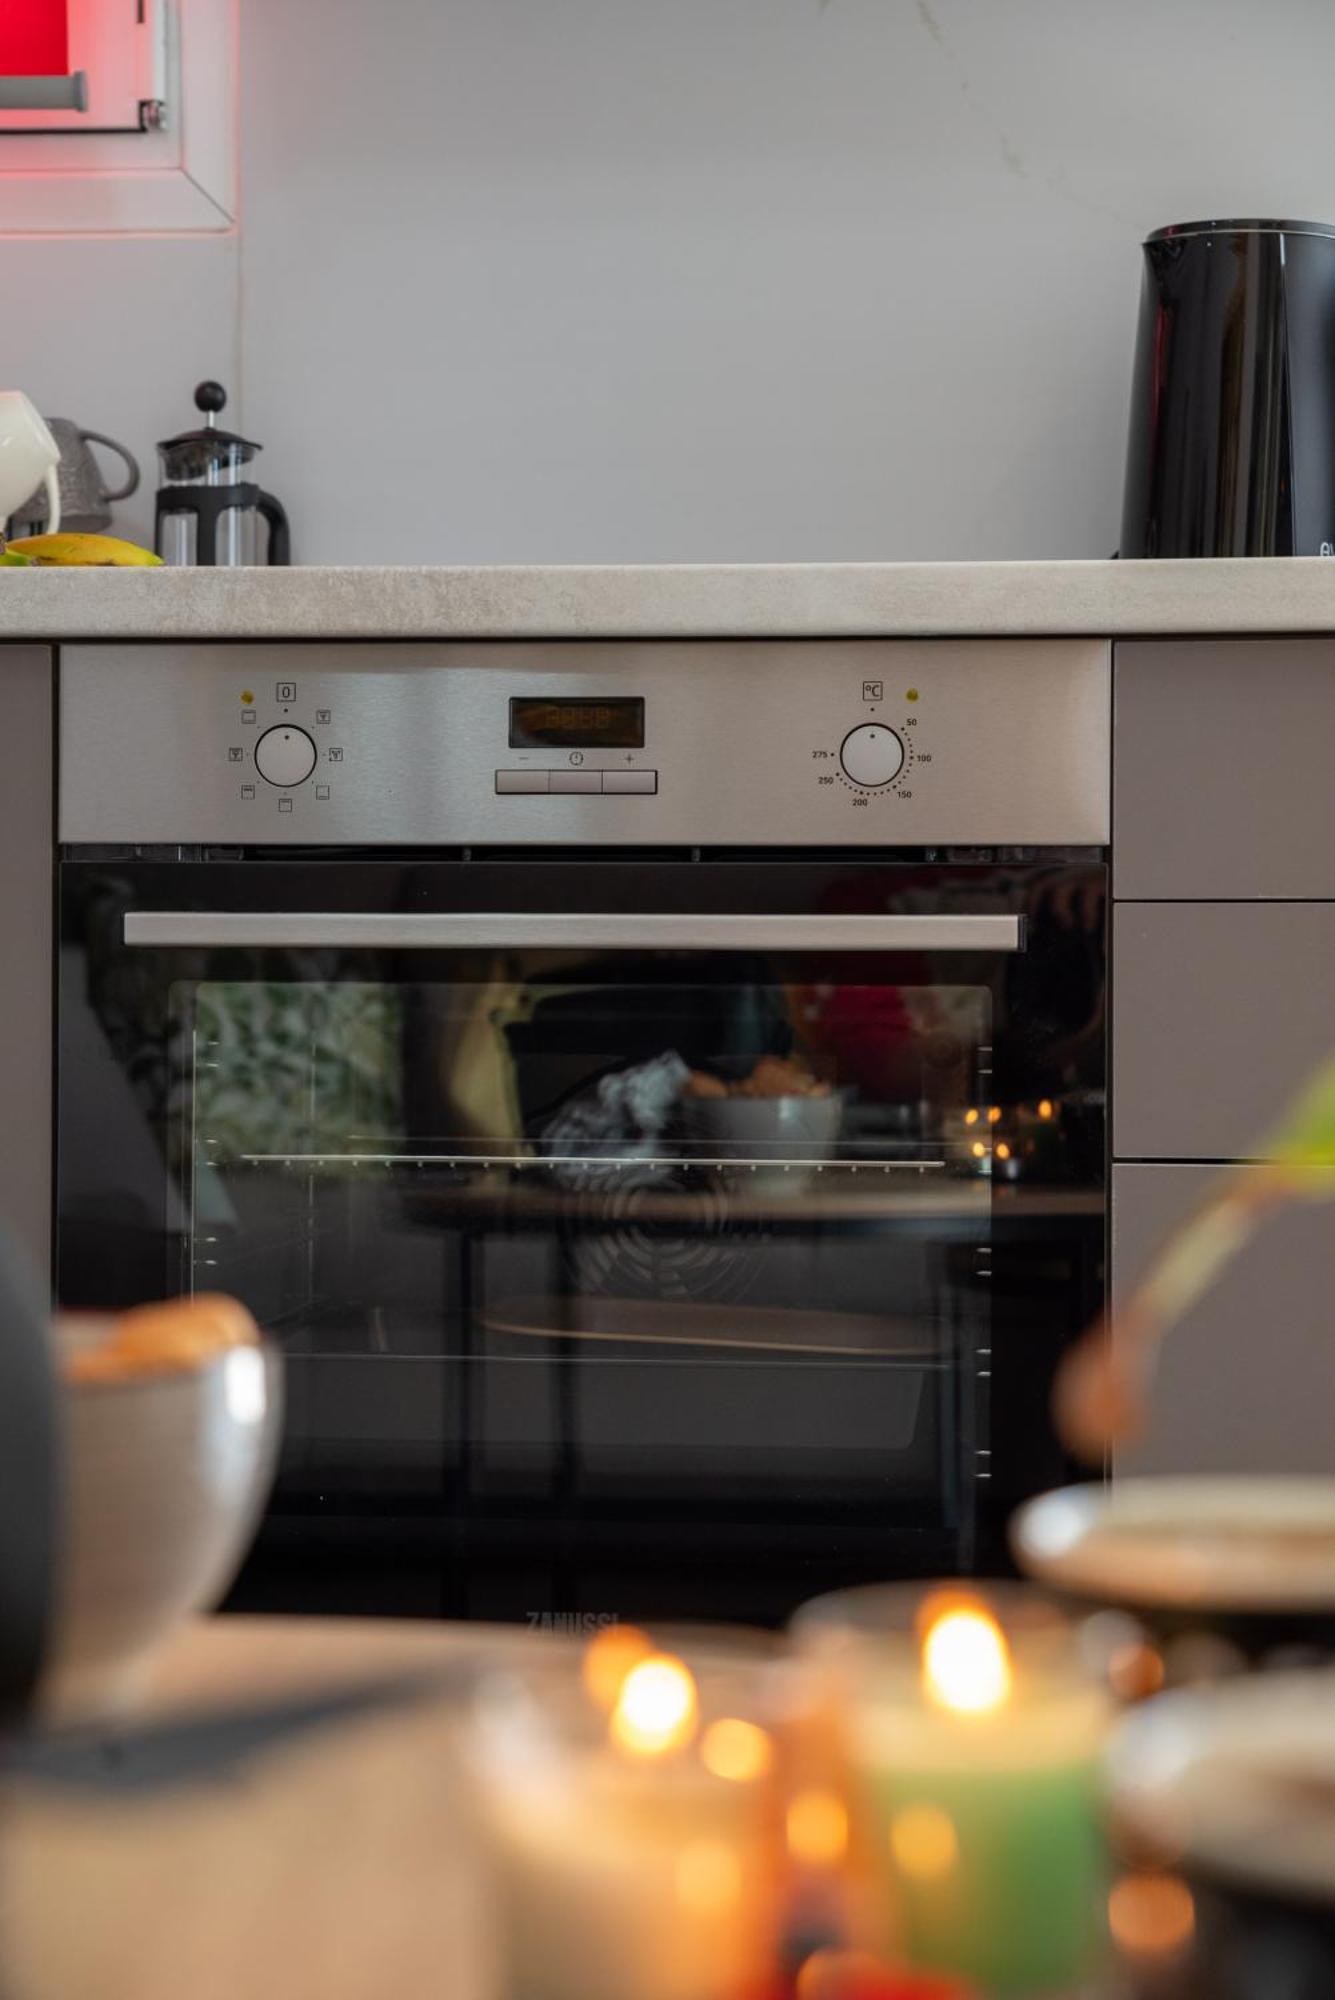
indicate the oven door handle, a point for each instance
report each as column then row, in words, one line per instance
column 569, row 930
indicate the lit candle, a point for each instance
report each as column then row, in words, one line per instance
column 633, row 1840
column 974, row 1756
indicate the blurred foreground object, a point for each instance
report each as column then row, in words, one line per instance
column 1105, row 1383
column 318, row 1853
column 172, row 1416
column 1208, row 1575
column 631, row 1799
column 973, row 1728
column 1228, row 1793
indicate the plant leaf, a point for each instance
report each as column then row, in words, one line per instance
column 1305, row 1136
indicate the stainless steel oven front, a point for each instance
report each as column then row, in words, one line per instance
column 653, row 1092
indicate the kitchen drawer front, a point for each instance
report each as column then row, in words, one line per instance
column 1222, row 768
column 1220, row 1012
column 1246, row 1382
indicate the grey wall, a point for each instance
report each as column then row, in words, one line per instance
column 115, row 331
column 619, row 279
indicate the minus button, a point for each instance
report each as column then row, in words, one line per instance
column 522, row 781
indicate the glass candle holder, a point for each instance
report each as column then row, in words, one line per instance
column 629, row 1793
column 972, row 1732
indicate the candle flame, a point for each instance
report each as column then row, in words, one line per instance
column 1045, row 1107
column 656, row 1709
column 734, row 1749
column 609, row 1657
column 966, row 1662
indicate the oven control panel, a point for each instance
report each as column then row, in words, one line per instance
column 885, row 742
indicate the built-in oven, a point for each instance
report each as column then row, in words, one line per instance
column 652, row 1093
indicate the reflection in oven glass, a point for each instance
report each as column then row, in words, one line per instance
column 556, row 1242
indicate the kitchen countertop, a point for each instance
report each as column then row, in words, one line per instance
column 338, row 1864
column 236, row 1659
column 811, row 600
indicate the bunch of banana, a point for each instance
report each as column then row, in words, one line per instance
column 79, row 552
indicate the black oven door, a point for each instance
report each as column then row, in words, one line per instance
column 644, row 1236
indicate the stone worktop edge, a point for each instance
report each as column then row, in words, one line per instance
column 799, row 600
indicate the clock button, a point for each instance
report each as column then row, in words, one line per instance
column 872, row 755
column 285, row 756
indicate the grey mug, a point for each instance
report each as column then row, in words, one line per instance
column 84, row 495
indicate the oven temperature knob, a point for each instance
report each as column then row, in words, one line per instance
column 285, row 755
column 872, row 755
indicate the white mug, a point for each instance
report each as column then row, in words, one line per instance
column 29, row 456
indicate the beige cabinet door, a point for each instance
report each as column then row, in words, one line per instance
column 1247, row 1382
column 1222, row 768
column 1220, row 1012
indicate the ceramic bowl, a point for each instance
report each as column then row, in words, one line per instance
column 1248, row 1559
column 165, row 1478
column 777, row 1138
column 1233, row 1789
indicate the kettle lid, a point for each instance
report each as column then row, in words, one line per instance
column 189, row 455
column 1240, row 226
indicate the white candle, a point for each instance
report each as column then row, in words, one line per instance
column 627, row 1868
column 626, row 1888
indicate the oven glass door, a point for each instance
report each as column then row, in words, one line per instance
column 640, row 1237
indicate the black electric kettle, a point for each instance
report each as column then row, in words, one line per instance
column 208, row 512
column 1232, row 438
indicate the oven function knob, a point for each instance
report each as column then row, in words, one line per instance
column 285, row 755
column 872, row 755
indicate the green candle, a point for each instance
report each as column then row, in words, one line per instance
column 975, row 1754
column 994, row 1863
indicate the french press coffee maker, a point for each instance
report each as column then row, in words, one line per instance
column 208, row 512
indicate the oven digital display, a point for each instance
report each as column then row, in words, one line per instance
column 553, row 722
